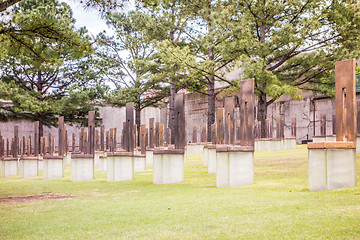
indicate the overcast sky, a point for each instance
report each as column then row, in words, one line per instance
column 90, row 18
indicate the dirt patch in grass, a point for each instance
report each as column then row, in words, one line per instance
column 35, row 198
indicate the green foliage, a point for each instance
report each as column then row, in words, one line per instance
column 42, row 78
column 125, row 60
column 290, row 46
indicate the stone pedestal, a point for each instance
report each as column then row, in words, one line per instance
column 332, row 165
column 82, row 167
column 330, row 138
column 358, row 144
column 234, row 166
column 206, row 155
column 97, row 160
column 149, row 157
column 53, row 167
column 139, row 162
column 289, row 143
column 168, row 166
column 274, row 145
column 261, row 144
column 28, row 167
column 40, row 163
column 194, row 148
column 67, row 159
column 319, row 139
column 102, row 162
column 120, row 166
column 211, row 158
column 9, row 167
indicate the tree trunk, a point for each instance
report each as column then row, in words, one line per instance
column 40, row 118
column 262, row 104
column 211, row 106
column 262, row 114
column 172, row 111
column 173, row 91
column 138, row 121
column 41, row 125
column 211, row 95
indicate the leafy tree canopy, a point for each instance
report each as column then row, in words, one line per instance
column 49, row 78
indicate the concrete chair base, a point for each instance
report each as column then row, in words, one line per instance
column 82, row 167
column 139, row 163
column 168, row 166
column 9, row 167
column 97, row 156
column 67, row 159
column 120, row 166
column 261, row 144
column 53, row 167
column 274, row 145
column 319, row 139
column 40, row 164
column 102, row 162
column 206, row 155
column 327, row 138
column 332, row 165
column 194, row 148
column 212, row 159
column 149, row 157
column 234, row 166
column 357, row 144
column 28, row 167
column 330, row 138
column 289, row 143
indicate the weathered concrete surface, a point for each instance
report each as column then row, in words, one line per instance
column 205, row 155
column 67, row 159
column 53, row 167
column 212, row 160
column 194, row 149
column 317, row 170
column 357, row 144
column 341, row 168
column 234, row 169
column 168, row 168
column 82, row 168
column 103, row 162
column 149, row 157
column 261, row 145
column 9, row 168
column 274, row 145
column 139, row 163
column 28, row 168
column 97, row 160
column 319, row 139
column 331, row 169
column 289, row 143
column 120, row 168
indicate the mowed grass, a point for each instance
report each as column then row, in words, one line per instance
column 277, row 206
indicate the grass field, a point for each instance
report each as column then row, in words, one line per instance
column 277, row 206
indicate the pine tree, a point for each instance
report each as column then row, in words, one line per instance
column 44, row 80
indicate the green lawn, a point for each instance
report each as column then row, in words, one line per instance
column 278, row 205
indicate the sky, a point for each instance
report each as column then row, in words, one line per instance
column 90, row 18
